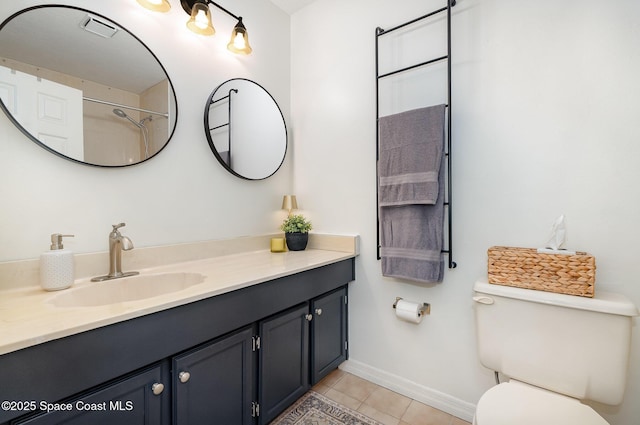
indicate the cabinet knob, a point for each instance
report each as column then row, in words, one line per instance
column 157, row 388
column 319, row 311
column 184, row 376
column 309, row 317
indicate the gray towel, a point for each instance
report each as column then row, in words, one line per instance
column 412, row 235
column 411, row 145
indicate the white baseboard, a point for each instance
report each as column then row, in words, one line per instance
column 426, row 395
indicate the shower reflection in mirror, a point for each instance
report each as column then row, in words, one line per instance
column 147, row 117
column 144, row 130
column 136, row 127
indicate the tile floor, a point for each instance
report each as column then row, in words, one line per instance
column 379, row 403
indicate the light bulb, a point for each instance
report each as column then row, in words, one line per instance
column 201, row 20
column 238, row 41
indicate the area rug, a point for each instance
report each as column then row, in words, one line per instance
column 315, row 409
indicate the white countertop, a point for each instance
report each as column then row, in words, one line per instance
column 28, row 318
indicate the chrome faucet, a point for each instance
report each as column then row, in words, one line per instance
column 117, row 244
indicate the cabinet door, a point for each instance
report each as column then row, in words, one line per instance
column 142, row 399
column 284, row 361
column 328, row 333
column 213, row 384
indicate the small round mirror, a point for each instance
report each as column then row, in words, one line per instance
column 245, row 129
column 83, row 87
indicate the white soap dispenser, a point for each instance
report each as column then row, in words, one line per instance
column 56, row 266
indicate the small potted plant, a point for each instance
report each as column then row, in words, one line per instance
column 296, row 232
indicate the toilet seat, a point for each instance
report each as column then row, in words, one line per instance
column 519, row 403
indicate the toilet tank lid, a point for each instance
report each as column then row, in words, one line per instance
column 603, row 301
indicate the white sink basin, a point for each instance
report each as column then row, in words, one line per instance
column 132, row 288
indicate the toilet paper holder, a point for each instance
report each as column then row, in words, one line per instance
column 425, row 308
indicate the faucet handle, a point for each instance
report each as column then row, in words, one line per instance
column 117, row 226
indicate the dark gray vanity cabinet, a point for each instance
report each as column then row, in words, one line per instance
column 214, row 384
column 284, row 361
column 249, row 354
column 328, row 333
column 140, row 399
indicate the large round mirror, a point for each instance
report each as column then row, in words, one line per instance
column 245, row 129
column 84, row 87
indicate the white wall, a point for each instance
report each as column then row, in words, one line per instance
column 546, row 100
column 182, row 194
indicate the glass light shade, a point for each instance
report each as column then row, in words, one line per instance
column 156, row 5
column 239, row 42
column 200, row 21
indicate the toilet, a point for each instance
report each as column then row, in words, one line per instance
column 556, row 351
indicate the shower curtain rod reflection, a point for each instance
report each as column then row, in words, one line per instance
column 118, row 105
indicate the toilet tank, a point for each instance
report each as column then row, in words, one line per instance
column 571, row 345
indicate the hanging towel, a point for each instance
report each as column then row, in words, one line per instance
column 412, row 238
column 411, row 146
column 412, row 235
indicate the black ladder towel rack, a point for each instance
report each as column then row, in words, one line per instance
column 380, row 32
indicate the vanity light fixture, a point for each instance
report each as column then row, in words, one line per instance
column 289, row 203
column 200, row 21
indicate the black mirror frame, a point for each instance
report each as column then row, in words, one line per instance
column 43, row 145
column 210, row 139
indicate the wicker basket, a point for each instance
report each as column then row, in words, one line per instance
column 526, row 268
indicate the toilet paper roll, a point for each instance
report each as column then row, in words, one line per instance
column 408, row 311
